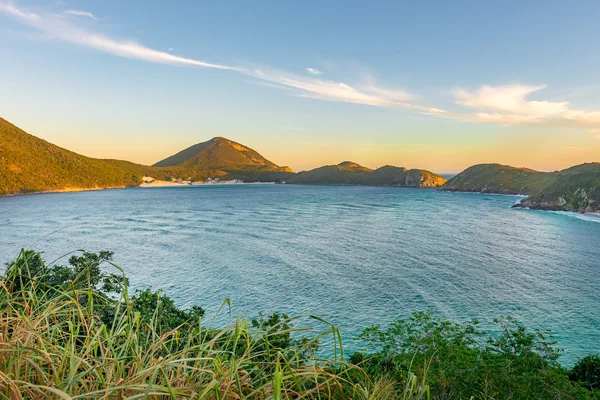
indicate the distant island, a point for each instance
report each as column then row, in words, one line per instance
column 29, row 165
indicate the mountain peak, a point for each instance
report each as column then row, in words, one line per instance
column 220, row 154
column 349, row 164
column 218, row 139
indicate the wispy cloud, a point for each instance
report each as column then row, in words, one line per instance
column 59, row 28
column 56, row 26
column 505, row 104
column 78, row 13
column 332, row 90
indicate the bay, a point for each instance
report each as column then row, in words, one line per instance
column 355, row 255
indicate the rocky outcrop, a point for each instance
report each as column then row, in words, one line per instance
column 424, row 179
column 573, row 189
column 578, row 201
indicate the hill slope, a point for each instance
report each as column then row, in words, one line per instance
column 573, row 189
column 496, row 178
column 29, row 164
column 349, row 173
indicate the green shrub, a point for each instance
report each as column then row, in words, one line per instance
column 75, row 332
column 460, row 361
column 587, row 372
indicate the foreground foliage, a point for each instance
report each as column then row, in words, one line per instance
column 75, row 332
column 460, row 361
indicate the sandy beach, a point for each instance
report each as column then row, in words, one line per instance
column 156, row 183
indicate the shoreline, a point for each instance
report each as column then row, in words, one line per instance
column 143, row 185
column 65, row 190
column 476, row 192
column 593, row 214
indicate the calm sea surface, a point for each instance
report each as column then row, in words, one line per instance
column 355, row 255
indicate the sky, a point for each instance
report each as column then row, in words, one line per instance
column 439, row 85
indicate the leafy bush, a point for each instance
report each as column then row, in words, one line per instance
column 75, row 331
column 462, row 362
column 587, row 372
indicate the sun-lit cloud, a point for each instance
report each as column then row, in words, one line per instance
column 510, row 100
column 508, row 105
column 79, row 13
column 314, row 71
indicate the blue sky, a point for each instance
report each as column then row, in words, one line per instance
column 438, row 85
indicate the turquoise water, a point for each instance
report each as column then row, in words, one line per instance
column 356, row 255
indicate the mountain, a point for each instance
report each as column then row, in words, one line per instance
column 220, row 157
column 496, row 178
column 350, row 173
column 573, row 189
column 29, row 164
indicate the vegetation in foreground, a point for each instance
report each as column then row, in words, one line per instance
column 76, row 332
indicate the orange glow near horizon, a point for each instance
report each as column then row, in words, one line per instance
column 520, row 148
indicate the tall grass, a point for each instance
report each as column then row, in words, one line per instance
column 53, row 344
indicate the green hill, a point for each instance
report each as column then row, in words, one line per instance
column 29, row 164
column 496, row 178
column 349, row 173
column 345, row 173
column 573, row 189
